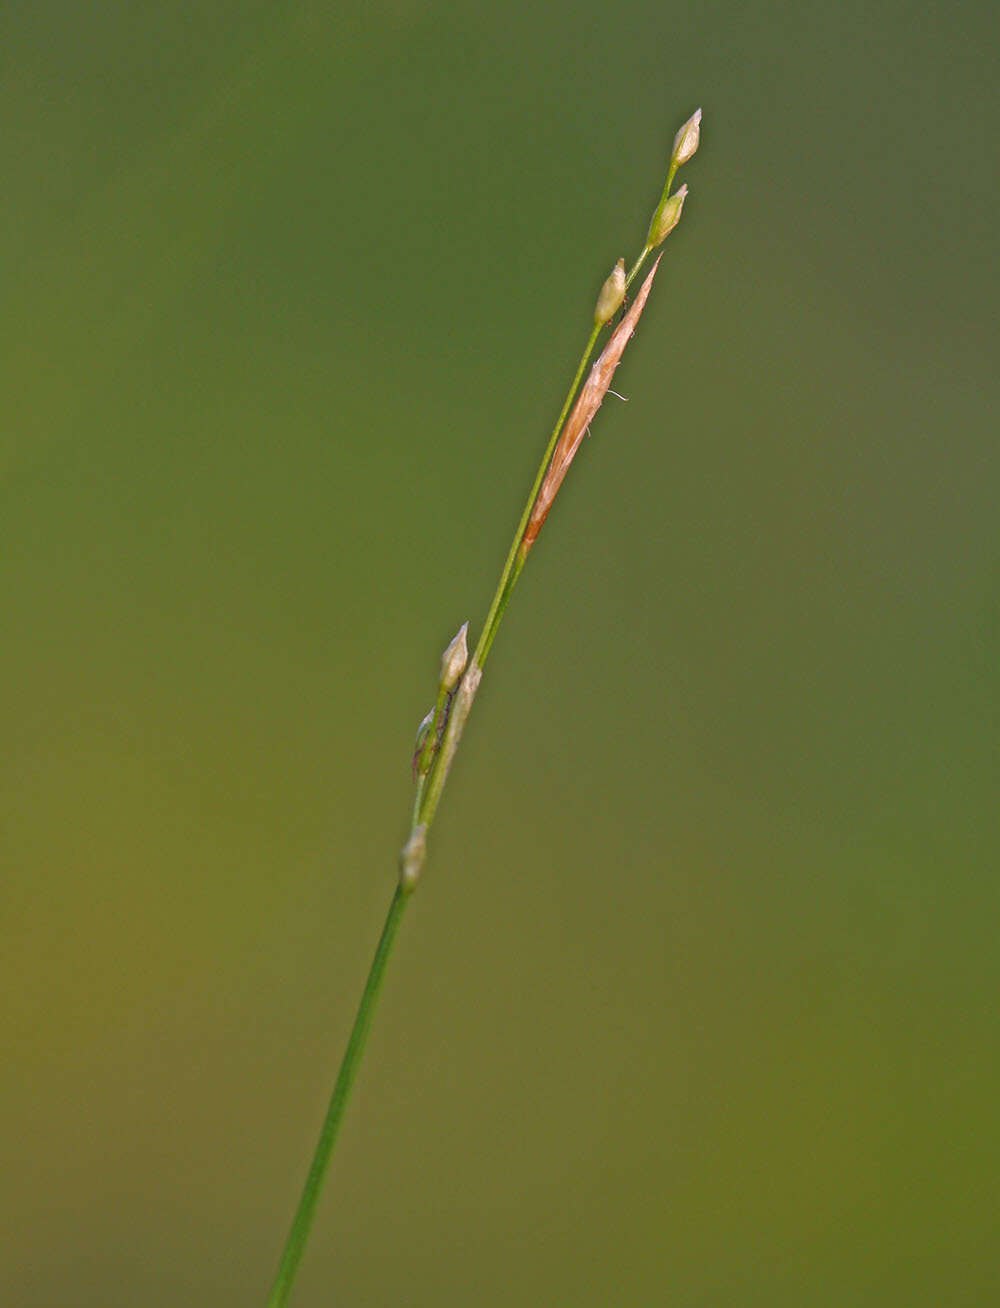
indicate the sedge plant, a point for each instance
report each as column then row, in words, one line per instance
column 441, row 730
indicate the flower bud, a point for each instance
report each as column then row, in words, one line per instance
column 454, row 659
column 666, row 218
column 686, row 140
column 423, row 731
column 612, row 294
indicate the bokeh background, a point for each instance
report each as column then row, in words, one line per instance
column 697, row 1003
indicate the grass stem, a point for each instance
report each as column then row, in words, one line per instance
column 306, row 1211
column 433, row 762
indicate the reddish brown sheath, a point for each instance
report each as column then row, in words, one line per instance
column 588, row 402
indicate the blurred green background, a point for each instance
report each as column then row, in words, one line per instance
column 697, row 1004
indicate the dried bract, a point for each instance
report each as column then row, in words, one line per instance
column 588, row 402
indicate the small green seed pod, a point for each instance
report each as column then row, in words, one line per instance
column 454, row 659
column 612, row 294
column 666, row 218
column 687, row 140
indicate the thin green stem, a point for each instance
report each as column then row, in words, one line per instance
column 418, row 800
column 299, row 1233
column 508, row 575
column 306, row 1211
column 664, row 197
column 637, row 265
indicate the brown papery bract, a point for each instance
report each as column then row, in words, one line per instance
column 588, row 402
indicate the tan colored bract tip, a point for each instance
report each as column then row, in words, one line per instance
column 588, row 402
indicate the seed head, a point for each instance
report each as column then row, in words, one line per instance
column 666, row 218
column 686, row 141
column 612, row 294
column 454, row 659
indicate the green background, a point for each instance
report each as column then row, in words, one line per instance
column 697, row 1003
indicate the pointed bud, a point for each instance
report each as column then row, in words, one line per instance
column 454, row 659
column 686, row 141
column 666, row 218
column 411, row 859
column 421, row 740
column 612, row 294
